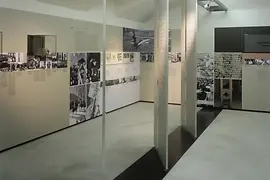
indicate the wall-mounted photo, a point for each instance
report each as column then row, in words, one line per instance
column 78, row 69
column 60, row 60
column 93, row 100
column 205, row 91
column 257, row 62
column 147, row 56
column 93, row 67
column 228, row 65
column 140, row 40
column 10, row 62
column 205, row 65
column 78, row 104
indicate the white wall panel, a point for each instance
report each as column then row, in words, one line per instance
column 121, row 95
column 256, row 88
column 147, row 82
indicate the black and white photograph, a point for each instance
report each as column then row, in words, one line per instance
column 147, row 57
column 138, row 40
column 78, row 104
column 259, row 62
column 9, row 61
column 228, row 65
column 93, row 67
column 205, row 65
column 174, row 57
column 60, row 60
column 93, row 101
column 112, row 82
column 78, row 69
column 205, row 91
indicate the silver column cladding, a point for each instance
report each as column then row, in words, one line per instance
column 161, row 79
column 104, row 49
column 189, row 64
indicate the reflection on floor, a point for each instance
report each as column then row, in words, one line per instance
column 75, row 153
column 235, row 146
column 150, row 167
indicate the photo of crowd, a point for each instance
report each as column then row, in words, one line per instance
column 257, row 62
column 205, row 91
column 78, row 69
column 205, row 65
column 93, row 67
column 121, row 80
column 10, row 62
column 78, row 104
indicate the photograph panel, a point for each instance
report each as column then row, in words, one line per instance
column 78, row 104
column 93, row 67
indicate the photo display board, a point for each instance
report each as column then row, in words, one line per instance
column 12, row 62
column 205, row 79
column 85, row 86
column 122, row 79
column 135, row 40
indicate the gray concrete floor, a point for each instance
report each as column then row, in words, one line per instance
column 235, row 146
column 76, row 153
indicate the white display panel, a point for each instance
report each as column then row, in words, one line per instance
column 255, row 81
column 174, row 79
column 122, row 79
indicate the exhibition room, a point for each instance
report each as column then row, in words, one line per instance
column 78, row 86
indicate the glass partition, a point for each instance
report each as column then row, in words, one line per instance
column 129, row 83
column 50, row 90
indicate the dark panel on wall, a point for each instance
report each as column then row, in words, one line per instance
column 255, row 43
column 229, row 39
column 257, row 30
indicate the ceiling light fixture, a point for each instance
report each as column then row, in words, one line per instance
column 207, row 6
column 212, row 5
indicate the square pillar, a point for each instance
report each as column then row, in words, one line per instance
column 189, row 66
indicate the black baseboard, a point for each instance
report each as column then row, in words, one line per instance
column 168, row 103
column 236, row 109
column 122, row 107
column 59, row 130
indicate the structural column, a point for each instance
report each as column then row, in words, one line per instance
column 161, row 80
column 189, row 66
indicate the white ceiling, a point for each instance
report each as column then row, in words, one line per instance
column 136, row 10
column 143, row 10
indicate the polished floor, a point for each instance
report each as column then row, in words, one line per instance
column 76, row 153
column 235, row 146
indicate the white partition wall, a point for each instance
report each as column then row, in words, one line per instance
column 161, row 80
column 189, row 65
column 122, row 79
